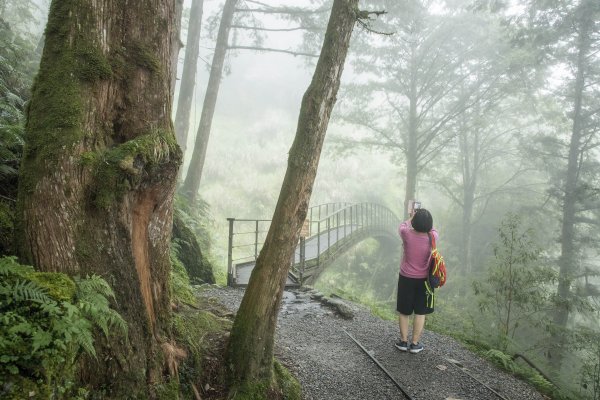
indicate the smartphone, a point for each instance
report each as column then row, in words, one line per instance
column 413, row 205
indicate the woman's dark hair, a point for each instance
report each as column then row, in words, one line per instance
column 422, row 221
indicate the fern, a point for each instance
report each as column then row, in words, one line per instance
column 43, row 330
column 28, row 291
column 10, row 266
column 93, row 285
column 501, row 359
column 93, row 294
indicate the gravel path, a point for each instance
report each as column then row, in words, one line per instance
column 311, row 341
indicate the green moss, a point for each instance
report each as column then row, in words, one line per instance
column 145, row 57
column 168, row 390
column 55, row 112
column 253, row 391
column 181, row 290
column 119, row 169
column 7, row 227
column 18, row 387
column 287, row 383
column 58, row 286
column 283, row 386
column 191, row 328
column 187, row 250
column 118, row 62
column 88, row 159
column 92, row 65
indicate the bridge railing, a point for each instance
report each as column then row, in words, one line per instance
column 330, row 225
column 336, row 229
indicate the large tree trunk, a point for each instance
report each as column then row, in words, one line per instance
column 250, row 350
column 568, row 257
column 99, row 169
column 188, row 76
column 194, row 174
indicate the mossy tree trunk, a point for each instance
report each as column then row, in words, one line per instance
column 191, row 184
column 99, row 171
column 188, row 76
column 250, row 349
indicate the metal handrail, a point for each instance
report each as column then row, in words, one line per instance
column 339, row 216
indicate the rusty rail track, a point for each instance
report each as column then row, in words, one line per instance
column 453, row 362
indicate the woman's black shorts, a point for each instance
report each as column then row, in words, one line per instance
column 412, row 296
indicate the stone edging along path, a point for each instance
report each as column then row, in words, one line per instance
column 312, row 343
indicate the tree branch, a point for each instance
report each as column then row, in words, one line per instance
column 363, row 18
column 283, row 10
column 299, row 28
column 294, row 53
column 450, row 193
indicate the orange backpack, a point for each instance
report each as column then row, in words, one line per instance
column 437, row 272
column 437, row 266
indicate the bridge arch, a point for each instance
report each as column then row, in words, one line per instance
column 330, row 230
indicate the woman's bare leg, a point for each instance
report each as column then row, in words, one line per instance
column 403, row 322
column 418, row 324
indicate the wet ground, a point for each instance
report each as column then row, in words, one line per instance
column 312, row 342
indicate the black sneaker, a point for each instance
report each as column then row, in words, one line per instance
column 402, row 345
column 416, row 348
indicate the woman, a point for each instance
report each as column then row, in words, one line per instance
column 414, row 269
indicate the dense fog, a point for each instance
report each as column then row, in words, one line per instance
column 486, row 111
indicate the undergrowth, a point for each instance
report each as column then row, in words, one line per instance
column 47, row 321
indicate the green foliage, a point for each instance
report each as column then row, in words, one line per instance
column 93, row 296
column 181, row 290
column 17, row 67
column 120, row 168
column 191, row 330
column 515, row 288
column 368, row 272
column 192, row 240
column 46, row 321
column 501, row 359
column 507, row 363
column 284, row 387
column 287, row 383
column 168, row 390
column 92, row 65
column 145, row 57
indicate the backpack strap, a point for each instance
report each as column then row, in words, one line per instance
column 432, row 246
column 431, row 240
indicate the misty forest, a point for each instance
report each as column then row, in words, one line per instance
column 203, row 199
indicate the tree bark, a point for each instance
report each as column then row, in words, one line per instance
column 191, row 184
column 469, row 177
column 98, row 172
column 568, row 258
column 412, row 139
column 188, row 76
column 250, row 349
column 176, row 45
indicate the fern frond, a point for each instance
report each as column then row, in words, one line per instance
column 10, row 266
column 29, row 291
column 93, row 285
column 93, row 293
column 86, row 341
